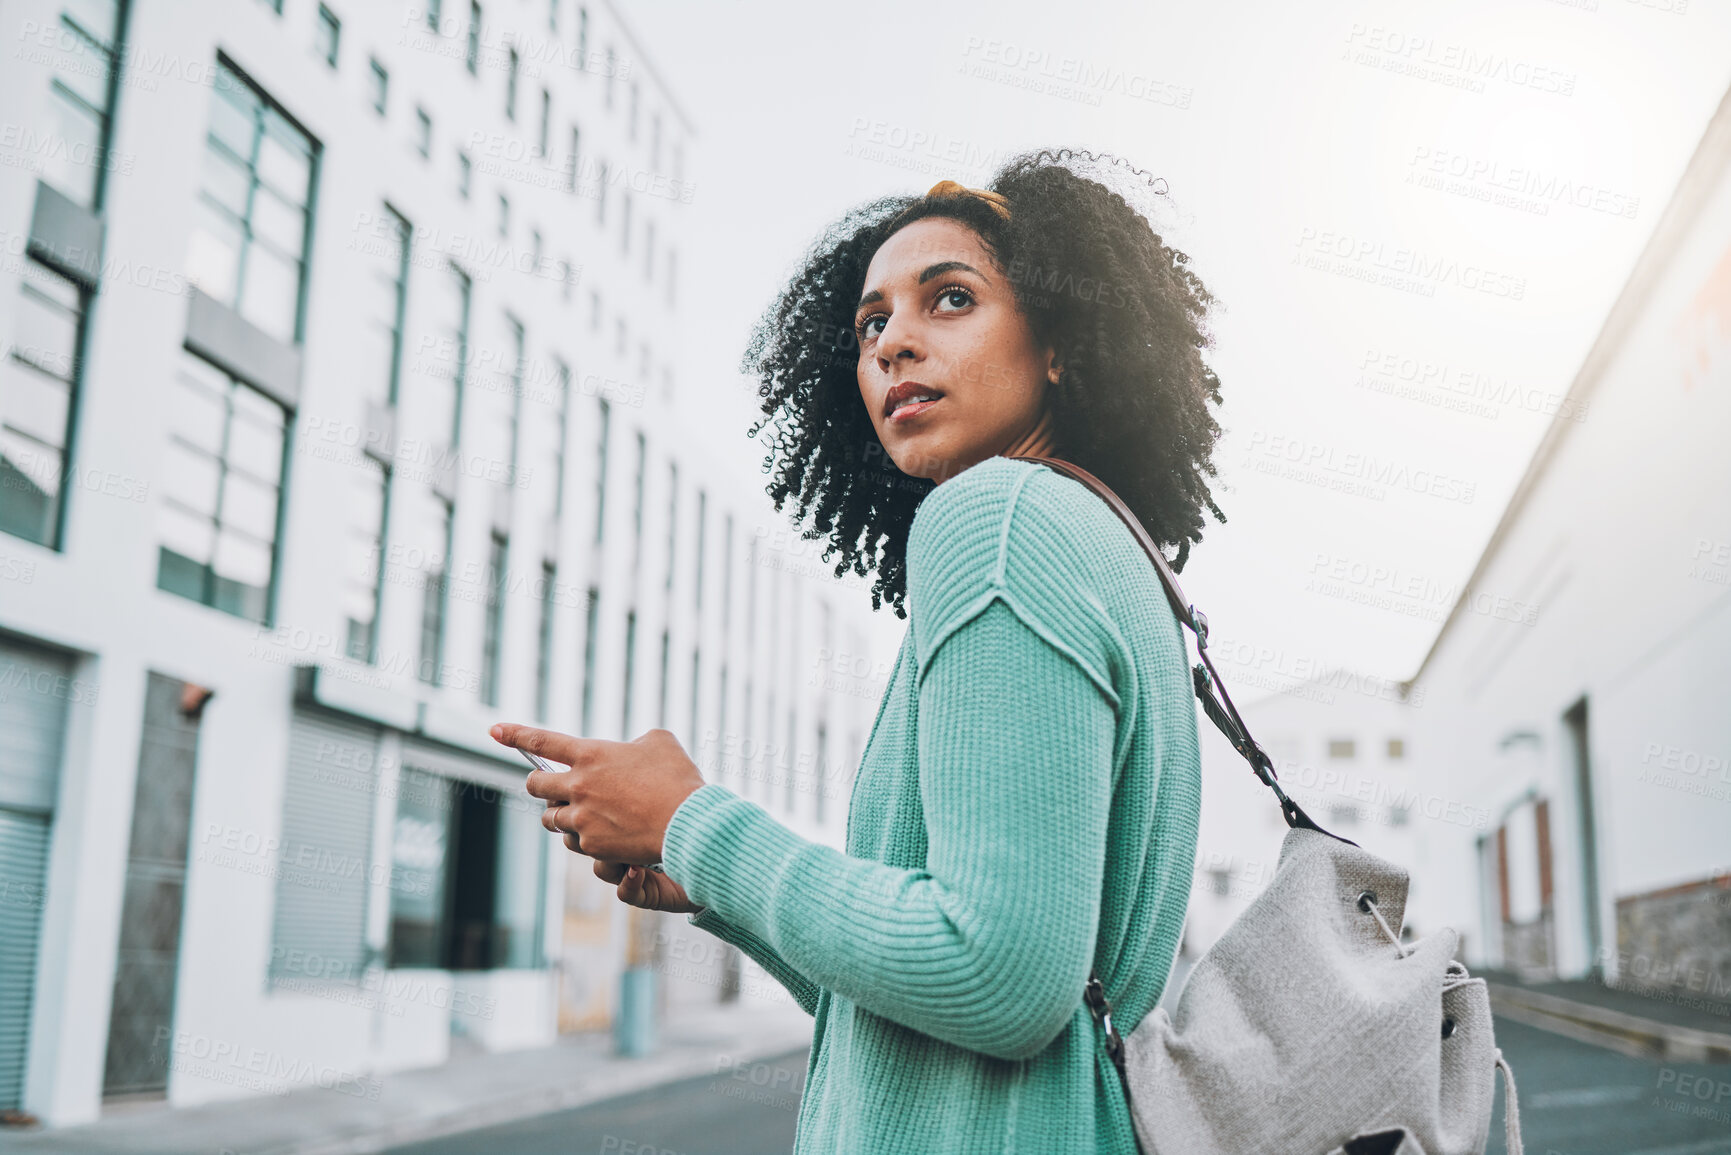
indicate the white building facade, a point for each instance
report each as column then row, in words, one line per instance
column 1594, row 724
column 1341, row 743
column 339, row 418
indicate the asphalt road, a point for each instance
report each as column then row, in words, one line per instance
column 1576, row 1099
column 747, row 1110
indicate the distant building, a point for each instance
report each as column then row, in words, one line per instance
column 1341, row 746
column 1580, row 692
column 340, row 417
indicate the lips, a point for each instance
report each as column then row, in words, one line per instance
column 899, row 403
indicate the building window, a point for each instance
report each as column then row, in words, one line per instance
column 582, row 39
column 381, row 82
column 648, row 250
column 511, row 64
column 630, row 673
column 822, row 783
column 594, row 311
column 223, row 467
column 504, row 214
column 571, row 162
column 544, row 640
column 661, row 698
column 792, row 757
column 465, row 174
column 672, row 520
column 519, row 363
column 606, row 412
column 721, row 712
column 655, row 142
column 249, row 241
column 435, row 596
column 328, row 34
column 274, row 6
column 87, row 41
column 366, row 507
column 387, row 299
column 553, row 15
column 543, row 141
column 702, row 520
column 466, row 877
column 38, row 394
column 472, row 51
column 423, row 132
column 369, row 511
column 494, row 623
column 726, row 575
column 601, row 193
column 625, row 222
column 696, row 682
column 433, row 11
column 1397, row 748
column 1341, row 748
column 631, row 124
column 535, row 251
column 561, row 419
column 591, row 626
column 672, row 268
column 609, row 93
column 450, row 351
column 637, row 502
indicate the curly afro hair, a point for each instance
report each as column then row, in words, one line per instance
column 1122, row 310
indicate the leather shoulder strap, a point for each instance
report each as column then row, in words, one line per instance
column 1216, row 703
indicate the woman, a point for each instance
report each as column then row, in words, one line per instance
column 1026, row 805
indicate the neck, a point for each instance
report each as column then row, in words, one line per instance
column 1036, row 442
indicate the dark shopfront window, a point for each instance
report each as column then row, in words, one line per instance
column 468, row 875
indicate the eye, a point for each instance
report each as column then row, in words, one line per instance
column 958, row 296
column 863, row 327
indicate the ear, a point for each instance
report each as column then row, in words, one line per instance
column 1053, row 369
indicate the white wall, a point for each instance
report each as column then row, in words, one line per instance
column 1623, row 545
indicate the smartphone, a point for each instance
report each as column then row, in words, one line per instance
column 541, row 763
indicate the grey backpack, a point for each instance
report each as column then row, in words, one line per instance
column 1309, row 1028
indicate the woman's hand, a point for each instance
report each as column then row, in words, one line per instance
column 640, row 886
column 617, row 798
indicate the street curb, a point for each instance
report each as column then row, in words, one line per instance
column 661, row 1071
column 1631, row 1035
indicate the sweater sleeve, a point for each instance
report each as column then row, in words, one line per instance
column 988, row 946
column 803, row 990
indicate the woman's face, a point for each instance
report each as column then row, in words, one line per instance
column 938, row 318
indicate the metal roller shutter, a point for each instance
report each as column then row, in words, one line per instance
column 326, row 855
column 35, row 688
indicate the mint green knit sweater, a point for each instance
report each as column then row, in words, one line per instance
column 1026, row 807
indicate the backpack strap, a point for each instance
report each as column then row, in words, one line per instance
column 1216, row 702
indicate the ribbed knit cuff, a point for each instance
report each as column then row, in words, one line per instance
column 728, row 854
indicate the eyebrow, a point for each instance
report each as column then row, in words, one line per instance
column 927, row 274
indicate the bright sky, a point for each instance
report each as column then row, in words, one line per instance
column 1504, row 160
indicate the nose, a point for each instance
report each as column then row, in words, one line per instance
column 898, row 341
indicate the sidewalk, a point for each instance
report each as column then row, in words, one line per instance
column 466, row 1093
column 1681, row 1027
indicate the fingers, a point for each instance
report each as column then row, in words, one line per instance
column 573, row 845
column 557, row 787
column 560, row 820
column 609, row 872
column 547, row 743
